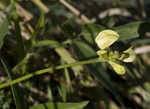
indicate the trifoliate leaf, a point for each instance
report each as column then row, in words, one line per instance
column 119, row 69
column 106, row 38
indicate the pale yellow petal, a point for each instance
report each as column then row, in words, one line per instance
column 119, row 69
column 131, row 54
column 106, row 38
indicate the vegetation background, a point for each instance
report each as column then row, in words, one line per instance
column 49, row 61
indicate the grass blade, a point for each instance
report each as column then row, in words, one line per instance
column 52, row 105
column 3, row 31
column 20, row 43
column 18, row 98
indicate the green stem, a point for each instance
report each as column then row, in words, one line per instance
column 40, row 72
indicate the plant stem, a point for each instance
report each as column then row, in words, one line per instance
column 40, row 72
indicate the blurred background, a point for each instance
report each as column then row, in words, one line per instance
column 38, row 34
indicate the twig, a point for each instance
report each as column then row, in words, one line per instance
column 3, row 78
column 35, row 91
column 42, row 6
column 142, row 50
column 23, row 13
column 114, row 11
column 30, row 28
column 140, row 4
column 75, row 11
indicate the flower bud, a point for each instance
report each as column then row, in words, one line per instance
column 119, row 69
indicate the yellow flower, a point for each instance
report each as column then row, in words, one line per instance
column 119, row 69
column 131, row 54
column 106, row 38
column 103, row 55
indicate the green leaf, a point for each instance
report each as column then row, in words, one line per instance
column 66, row 56
column 142, row 41
column 52, row 105
column 90, row 31
column 49, row 94
column 84, row 51
column 3, row 31
column 21, row 67
column 40, row 24
column 68, row 80
column 63, row 92
column 20, row 42
column 128, row 31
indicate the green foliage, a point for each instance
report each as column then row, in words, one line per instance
column 129, row 31
column 5, row 102
column 21, row 67
column 38, row 27
column 20, row 43
column 53, row 59
column 79, row 105
column 4, row 3
column 126, row 32
column 69, row 28
column 16, row 92
column 83, row 51
column 90, row 31
column 3, row 30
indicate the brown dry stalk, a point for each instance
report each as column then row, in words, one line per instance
column 75, row 11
